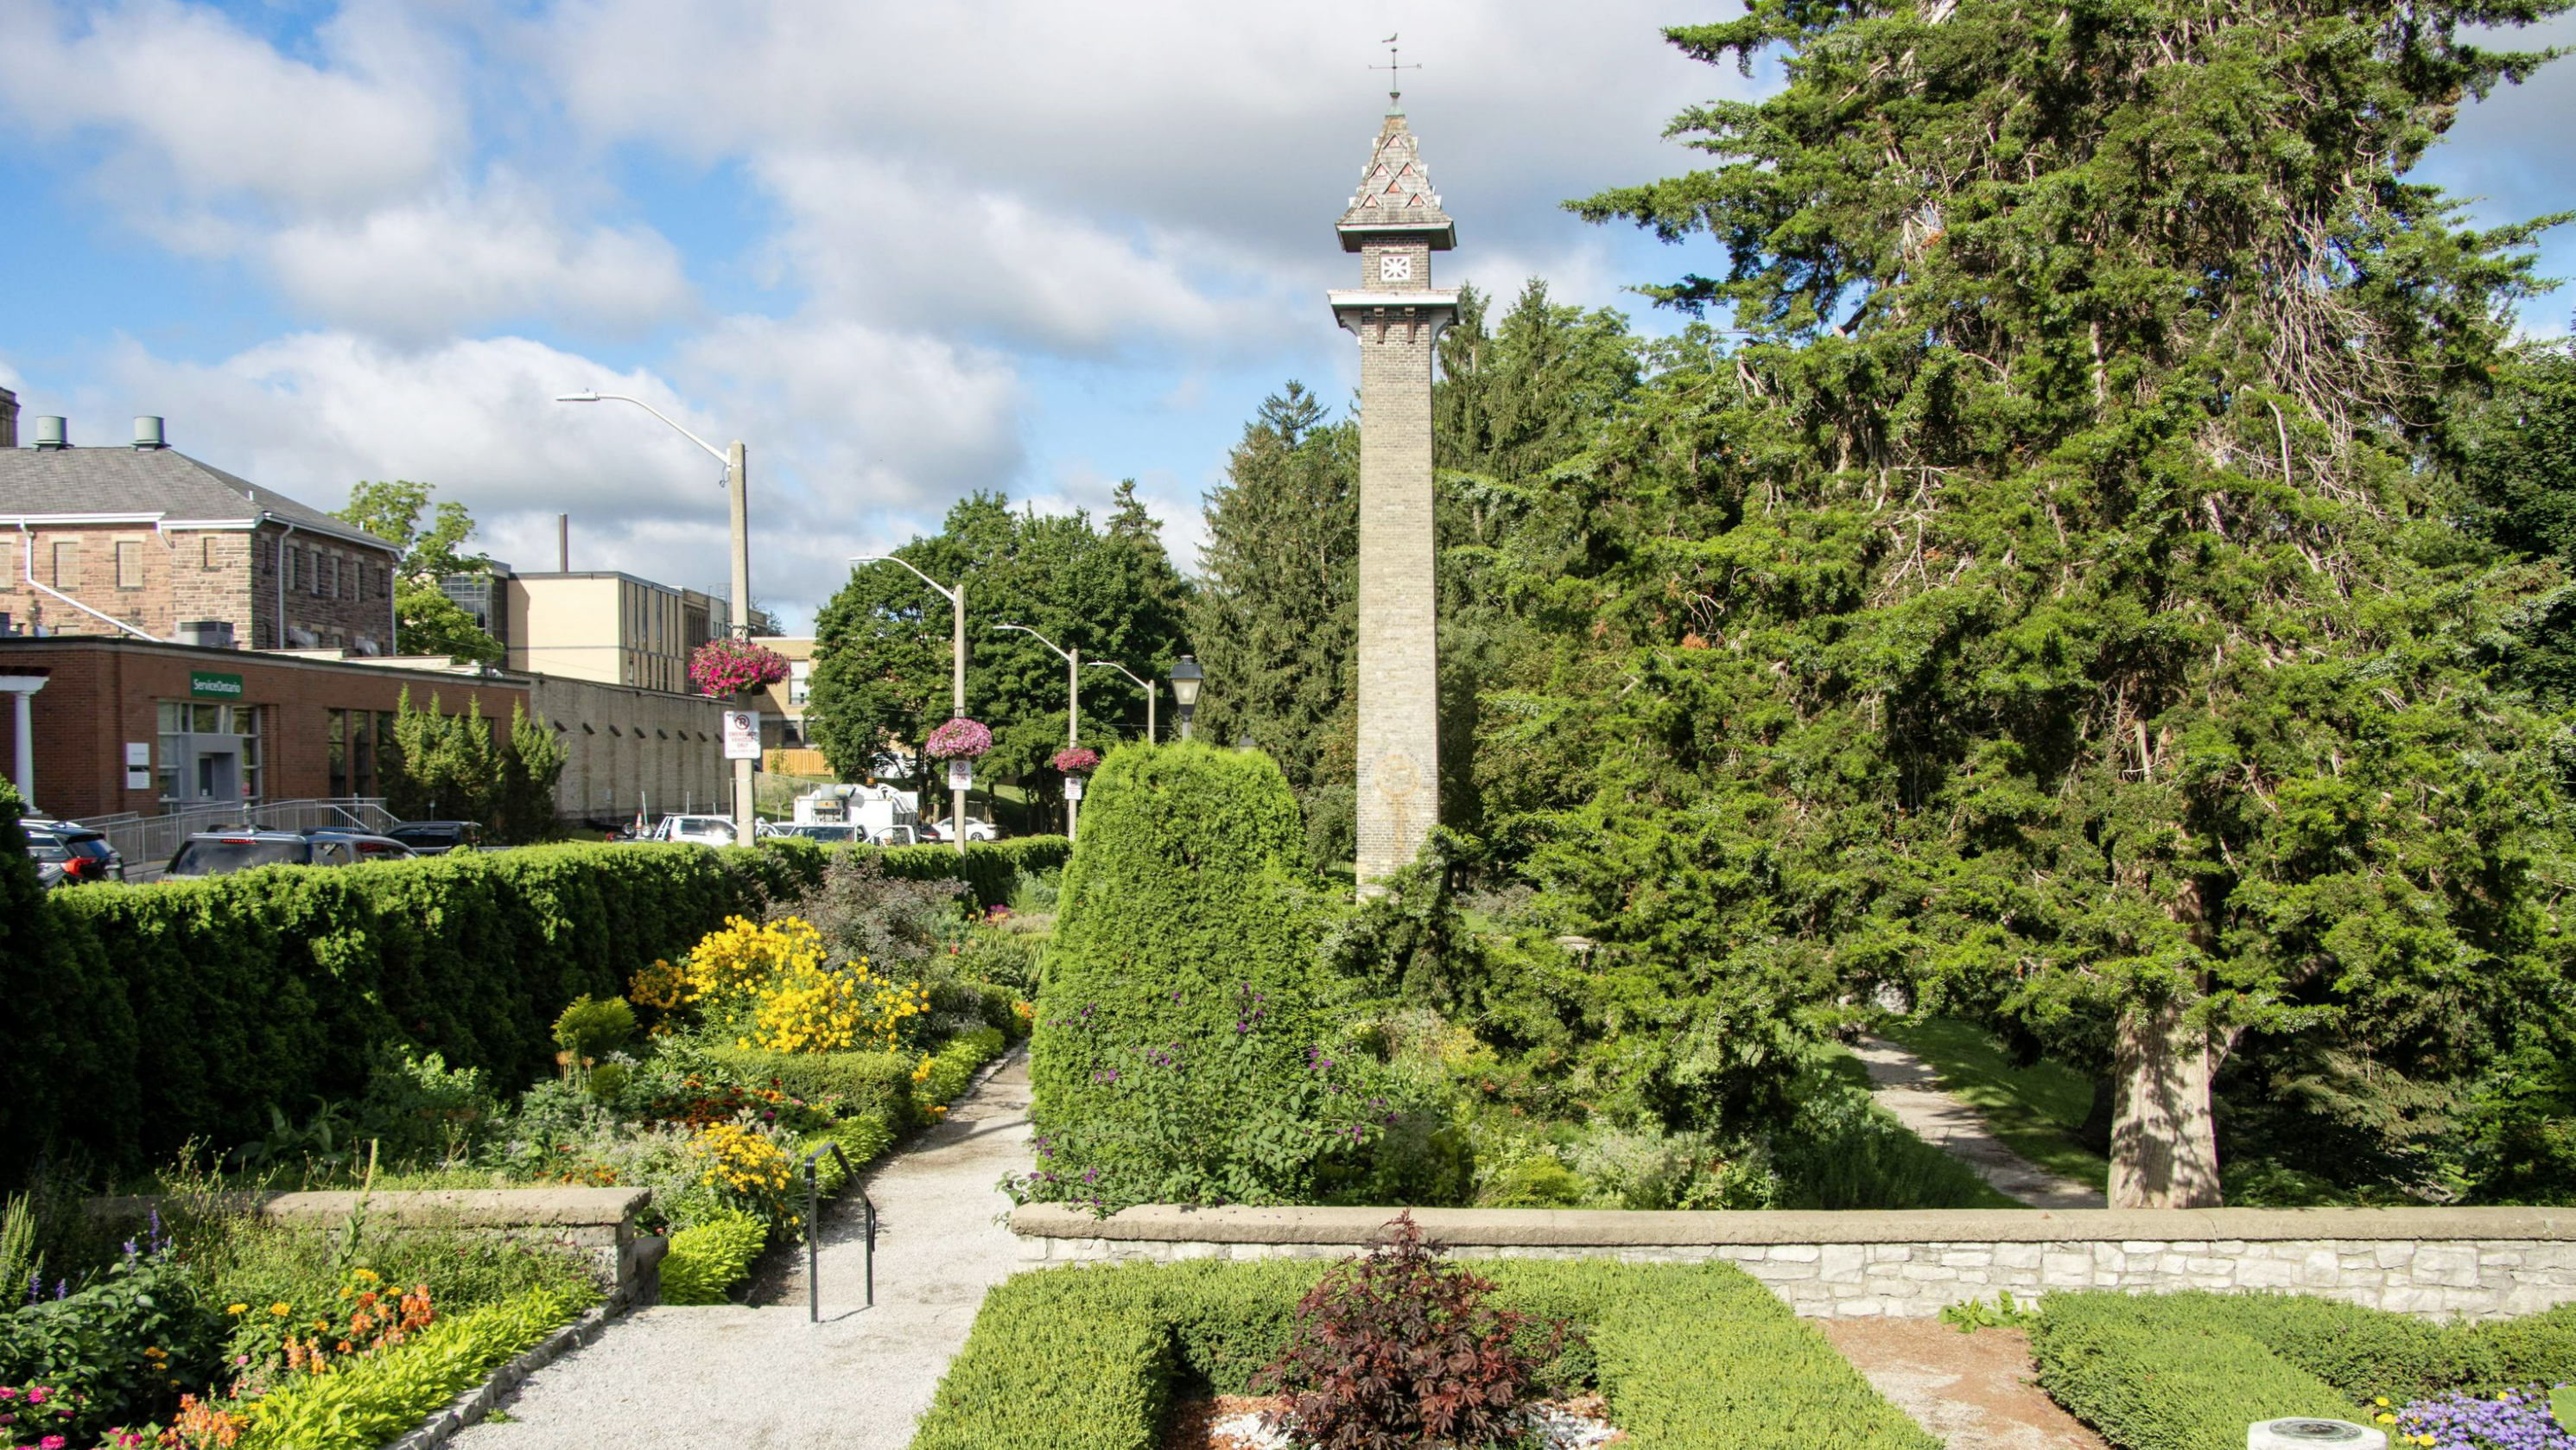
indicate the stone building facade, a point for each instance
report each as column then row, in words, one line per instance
column 136, row 541
column 1394, row 224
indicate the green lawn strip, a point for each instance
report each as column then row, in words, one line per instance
column 364, row 1403
column 2035, row 1110
column 1690, row 1357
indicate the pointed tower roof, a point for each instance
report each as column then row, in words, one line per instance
column 1395, row 195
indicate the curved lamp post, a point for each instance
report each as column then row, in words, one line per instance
column 956, row 598
column 1186, row 677
column 1072, row 707
column 1145, row 685
column 737, row 466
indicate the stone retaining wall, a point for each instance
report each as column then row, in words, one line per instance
column 2474, row 1262
column 595, row 1223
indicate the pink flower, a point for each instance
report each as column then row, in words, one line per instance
column 1075, row 759
column 959, row 739
column 52, row 1442
column 36, row 1395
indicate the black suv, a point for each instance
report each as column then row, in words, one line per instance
column 68, row 853
column 437, row 838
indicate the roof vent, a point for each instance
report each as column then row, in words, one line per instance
column 147, row 434
column 50, row 433
column 205, row 633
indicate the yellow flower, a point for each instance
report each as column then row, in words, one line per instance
column 2386, row 1418
column 2380, row 1400
column 235, row 1308
column 281, row 1309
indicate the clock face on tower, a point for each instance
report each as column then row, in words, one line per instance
column 1395, row 267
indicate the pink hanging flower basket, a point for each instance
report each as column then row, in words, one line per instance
column 959, row 739
column 1075, row 759
column 729, row 666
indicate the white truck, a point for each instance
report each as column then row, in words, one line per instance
column 884, row 816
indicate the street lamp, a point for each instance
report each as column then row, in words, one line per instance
column 957, row 681
column 1145, row 685
column 1072, row 708
column 736, row 468
column 1186, row 676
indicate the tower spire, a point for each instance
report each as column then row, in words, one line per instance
column 1394, row 75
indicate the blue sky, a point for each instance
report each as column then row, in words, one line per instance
column 904, row 252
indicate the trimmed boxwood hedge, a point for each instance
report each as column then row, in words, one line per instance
column 1690, row 1357
column 140, row 1018
column 2190, row 1370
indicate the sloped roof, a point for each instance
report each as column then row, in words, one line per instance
column 1395, row 193
column 156, row 483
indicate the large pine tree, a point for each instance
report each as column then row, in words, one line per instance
column 2055, row 600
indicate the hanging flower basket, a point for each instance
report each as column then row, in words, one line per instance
column 729, row 666
column 1075, row 759
column 959, row 739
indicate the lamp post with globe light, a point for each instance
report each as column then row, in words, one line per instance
column 737, row 468
column 1186, row 678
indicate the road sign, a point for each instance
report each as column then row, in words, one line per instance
column 742, row 734
column 961, row 775
column 1073, row 787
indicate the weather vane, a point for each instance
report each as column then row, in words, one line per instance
column 1394, row 93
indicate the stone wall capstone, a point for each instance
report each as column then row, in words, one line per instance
column 2465, row 1262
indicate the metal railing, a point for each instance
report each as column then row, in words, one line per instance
column 148, row 842
column 814, row 1232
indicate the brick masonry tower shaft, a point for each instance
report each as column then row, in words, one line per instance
column 1395, row 224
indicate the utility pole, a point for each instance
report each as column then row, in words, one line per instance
column 1072, row 713
column 1147, row 686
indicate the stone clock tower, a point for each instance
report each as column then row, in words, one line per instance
column 1395, row 224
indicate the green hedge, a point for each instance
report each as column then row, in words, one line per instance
column 141, row 1018
column 707, row 1259
column 2168, row 1371
column 1690, row 1357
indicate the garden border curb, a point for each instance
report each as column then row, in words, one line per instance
column 469, row 1408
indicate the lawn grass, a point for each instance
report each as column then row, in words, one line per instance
column 2035, row 1110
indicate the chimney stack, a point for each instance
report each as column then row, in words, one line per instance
column 147, row 434
column 51, row 433
column 8, row 419
column 563, row 543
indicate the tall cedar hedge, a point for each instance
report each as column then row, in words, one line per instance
column 1172, row 1060
column 139, row 1018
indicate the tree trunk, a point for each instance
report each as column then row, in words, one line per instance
column 2095, row 1135
column 2164, row 1147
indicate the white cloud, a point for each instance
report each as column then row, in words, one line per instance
column 197, row 110
column 428, row 266
column 850, row 428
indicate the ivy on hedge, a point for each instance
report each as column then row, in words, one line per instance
column 139, row 1019
column 1690, row 1357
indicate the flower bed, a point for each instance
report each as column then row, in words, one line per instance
column 2191, row 1370
column 1684, row 1355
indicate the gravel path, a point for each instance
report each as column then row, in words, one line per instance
column 756, row 1378
column 1972, row 1390
column 1907, row 1086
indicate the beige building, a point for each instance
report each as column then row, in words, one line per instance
column 629, row 749
column 609, row 627
column 782, row 705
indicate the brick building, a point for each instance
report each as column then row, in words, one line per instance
column 138, row 540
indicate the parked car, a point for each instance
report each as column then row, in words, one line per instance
column 899, row 836
column 221, row 853
column 825, row 833
column 68, row 853
column 437, row 838
column 976, row 830
column 372, row 847
column 703, row 830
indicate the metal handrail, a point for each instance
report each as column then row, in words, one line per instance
column 814, row 1233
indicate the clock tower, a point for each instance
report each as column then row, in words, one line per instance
column 1394, row 224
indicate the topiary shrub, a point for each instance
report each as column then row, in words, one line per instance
column 593, row 1027
column 1178, row 1055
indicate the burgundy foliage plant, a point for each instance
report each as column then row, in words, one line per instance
column 1400, row 1349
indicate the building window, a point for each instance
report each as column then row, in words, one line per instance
column 800, row 681
column 209, row 754
column 129, row 563
column 208, row 561
column 353, row 751
column 332, row 588
column 67, row 564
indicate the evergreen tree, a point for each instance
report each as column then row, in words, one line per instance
column 2049, row 603
column 531, row 764
column 2522, row 478
column 1275, row 621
